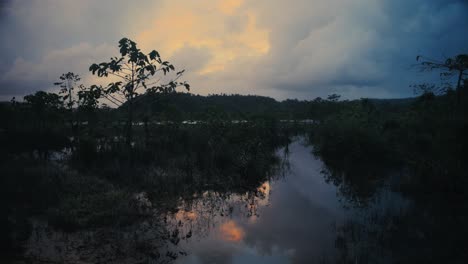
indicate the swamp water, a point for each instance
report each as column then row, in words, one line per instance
column 295, row 217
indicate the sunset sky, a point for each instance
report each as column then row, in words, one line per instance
column 279, row 48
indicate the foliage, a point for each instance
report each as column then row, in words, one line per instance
column 135, row 71
column 67, row 84
column 333, row 97
column 88, row 98
column 42, row 101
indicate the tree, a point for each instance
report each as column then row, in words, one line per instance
column 42, row 101
column 424, row 89
column 67, row 84
column 88, row 98
column 44, row 105
column 136, row 72
column 457, row 66
column 333, row 97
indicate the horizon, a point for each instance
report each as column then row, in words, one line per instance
column 21, row 99
column 363, row 49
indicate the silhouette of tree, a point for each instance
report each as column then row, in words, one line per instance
column 88, row 98
column 44, row 106
column 67, row 84
column 136, row 72
column 457, row 66
column 334, row 97
column 41, row 101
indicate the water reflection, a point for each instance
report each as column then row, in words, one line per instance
column 231, row 232
column 295, row 216
column 288, row 219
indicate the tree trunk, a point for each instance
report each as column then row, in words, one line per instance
column 460, row 75
column 130, row 123
column 70, row 105
column 146, row 131
column 130, row 108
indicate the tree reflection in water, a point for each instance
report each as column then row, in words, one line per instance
column 294, row 211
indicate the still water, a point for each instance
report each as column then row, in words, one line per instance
column 292, row 218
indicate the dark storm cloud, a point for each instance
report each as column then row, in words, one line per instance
column 4, row 5
column 360, row 45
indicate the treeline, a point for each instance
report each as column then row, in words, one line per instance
column 183, row 106
column 178, row 107
column 186, row 106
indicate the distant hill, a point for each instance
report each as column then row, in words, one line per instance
column 197, row 107
column 189, row 106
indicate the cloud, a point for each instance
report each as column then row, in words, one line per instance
column 10, row 89
column 279, row 48
column 220, row 26
column 357, row 46
column 192, row 59
column 28, row 76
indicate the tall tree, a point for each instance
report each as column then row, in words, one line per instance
column 138, row 73
column 67, row 84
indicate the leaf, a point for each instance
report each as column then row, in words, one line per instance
column 153, row 55
column 94, row 67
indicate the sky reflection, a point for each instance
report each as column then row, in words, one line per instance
column 294, row 220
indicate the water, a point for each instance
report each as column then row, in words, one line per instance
column 295, row 217
column 292, row 219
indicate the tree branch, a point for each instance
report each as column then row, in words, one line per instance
column 110, row 100
column 115, row 74
column 115, row 99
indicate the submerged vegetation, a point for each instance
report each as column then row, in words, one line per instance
column 76, row 165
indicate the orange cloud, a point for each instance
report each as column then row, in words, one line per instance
column 230, row 231
column 206, row 24
column 229, row 6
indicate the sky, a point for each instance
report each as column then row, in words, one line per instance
column 279, row 48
